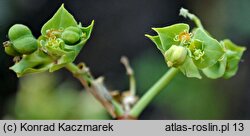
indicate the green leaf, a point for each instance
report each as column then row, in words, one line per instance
column 217, row 70
column 157, row 41
column 88, row 29
column 234, row 54
column 168, row 34
column 213, row 51
column 33, row 63
column 61, row 20
column 189, row 69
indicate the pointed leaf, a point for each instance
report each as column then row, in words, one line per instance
column 157, row 41
column 88, row 29
column 62, row 19
column 33, row 63
column 168, row 34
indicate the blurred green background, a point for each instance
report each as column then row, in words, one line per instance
column 119, row 30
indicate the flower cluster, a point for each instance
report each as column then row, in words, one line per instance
column 191, row 52
column 60, row 42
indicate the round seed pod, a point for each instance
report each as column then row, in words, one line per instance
column 71, row 35
column 17, row 31
column 25, row 45
column 22, row 39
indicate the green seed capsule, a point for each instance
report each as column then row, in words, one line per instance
column 17, row 31
column 22, row 39
column 25, row 45
column 71, row 35
column 175, row 55
column 8, row 48
column 73, row 28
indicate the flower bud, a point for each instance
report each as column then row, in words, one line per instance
column 71, row 35
column 175, row 55
column 22, row 39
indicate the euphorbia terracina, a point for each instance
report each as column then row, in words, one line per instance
column 62, row 38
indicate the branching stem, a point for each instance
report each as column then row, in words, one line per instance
column 96, row 88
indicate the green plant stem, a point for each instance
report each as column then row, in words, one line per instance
column 132, row 85
column 118, row 108
column 152, row 92
column 72, row 68
column 185, row 13
column 197, row 21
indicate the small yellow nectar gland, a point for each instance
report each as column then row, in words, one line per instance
column 184, row 36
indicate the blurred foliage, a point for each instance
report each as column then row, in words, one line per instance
column 184, row 98
column 39, row 97
column 237, row 16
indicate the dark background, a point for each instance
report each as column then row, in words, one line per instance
column 119, row 30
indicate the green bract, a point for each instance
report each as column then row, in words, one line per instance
column 59, row 44
column 204, row 53
column 212, row 49
column 61, row 20
column 166, row 36
column 228, row 65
